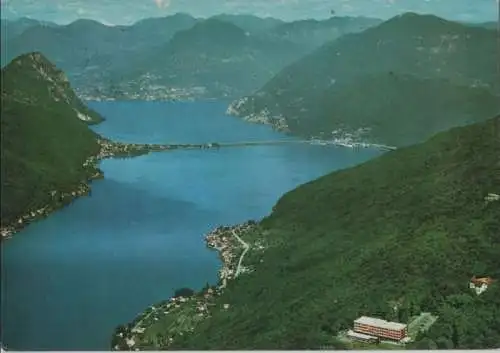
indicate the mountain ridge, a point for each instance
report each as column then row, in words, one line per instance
column 113, row 61
column 423, row 46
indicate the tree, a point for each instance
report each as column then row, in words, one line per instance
column 426, row 343
column 403, row 314
column 444, row 343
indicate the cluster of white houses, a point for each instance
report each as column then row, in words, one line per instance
column 372, row 330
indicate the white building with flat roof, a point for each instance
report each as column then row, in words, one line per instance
column 380, row 328
column 372, row 321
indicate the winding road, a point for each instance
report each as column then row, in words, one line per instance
column 246, row 247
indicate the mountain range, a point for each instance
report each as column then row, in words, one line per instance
column 85, row 49
column 117, row 61
column 218, row 57
column 45, row 136
column 411, row 75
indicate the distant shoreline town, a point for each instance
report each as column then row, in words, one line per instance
column 151, row 92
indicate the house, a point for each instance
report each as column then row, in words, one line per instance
column 480, row 284
column 492, row 197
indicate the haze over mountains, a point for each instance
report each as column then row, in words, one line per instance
column 171, row 55
column 394, row 83
column 86, row 48
column 307, row 75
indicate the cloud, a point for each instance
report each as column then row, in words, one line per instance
column 347, row 7
column 162, row 4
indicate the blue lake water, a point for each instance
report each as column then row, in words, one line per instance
column 69, row 280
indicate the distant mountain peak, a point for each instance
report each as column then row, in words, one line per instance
column 83, row 23
column 416, row 19
column 35, row 67
column 32, row 60
column 208, row 31
column 178, row 16
column 214, row 23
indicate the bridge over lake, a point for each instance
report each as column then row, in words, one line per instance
column 110, row 149
column 311, row 142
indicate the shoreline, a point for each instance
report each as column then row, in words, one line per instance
column 278, row 122
column 232, row 249
column 59, row 200
column 111, row 149
column 107, row 149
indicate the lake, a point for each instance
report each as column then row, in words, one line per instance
column 69, row 280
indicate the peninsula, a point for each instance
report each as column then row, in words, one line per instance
column 49, row 153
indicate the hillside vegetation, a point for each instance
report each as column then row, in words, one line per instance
column 396, row 109
column 410, row 227
column 44, row 134
column 420, row 45
column 412, row 69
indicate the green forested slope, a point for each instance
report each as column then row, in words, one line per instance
column 406, row 79
column 411, row 227
column 396, row 109
column 44, row 142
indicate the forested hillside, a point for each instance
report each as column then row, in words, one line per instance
column 44, row 133
column 410, row 227
column 403, row 80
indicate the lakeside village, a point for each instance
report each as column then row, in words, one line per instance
column 107, row 149
column 147, row 87
column 342, row 137
column 160, row 324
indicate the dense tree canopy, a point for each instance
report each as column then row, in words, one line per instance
column 44, row 143
column 410, row 227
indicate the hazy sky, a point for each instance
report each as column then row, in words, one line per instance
column 129, row 11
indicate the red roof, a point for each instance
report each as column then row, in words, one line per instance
column 482, row 280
